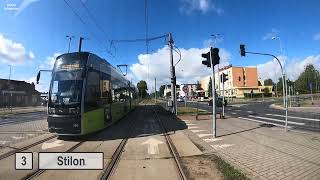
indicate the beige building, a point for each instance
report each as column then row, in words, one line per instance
column 241, row 81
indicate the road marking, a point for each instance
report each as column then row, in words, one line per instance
column 16, row 137
column 229, row 109
column 277, row 120
column 196, row 131
column 189, row 124
column 222, row 146
column 53, row 144
column 204, row 135
column 3, row 142
column 30, row 134
column 233, row 113
column 238, row 110
column 193, row 127
column 294, row 117
column 250, row 111
column 212, row 140
column 238, row 105
column 262, row 122
column 152, row 145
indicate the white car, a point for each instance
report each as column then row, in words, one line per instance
column 180, row 99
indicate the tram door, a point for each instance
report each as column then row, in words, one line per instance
column 107, row 99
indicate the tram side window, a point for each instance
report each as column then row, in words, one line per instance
column 92, row 93
column 105, row 89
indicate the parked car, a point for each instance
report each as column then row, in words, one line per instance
column 218, row 102
column 180, row 99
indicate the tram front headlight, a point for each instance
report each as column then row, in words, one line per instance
column 52, row 110
column 74, row 110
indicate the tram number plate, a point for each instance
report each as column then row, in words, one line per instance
column 73, row 160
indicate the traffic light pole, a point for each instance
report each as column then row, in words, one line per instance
column 222, row 98
column 214, row 128
column 284, row 88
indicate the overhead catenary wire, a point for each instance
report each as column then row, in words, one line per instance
column 85, row 24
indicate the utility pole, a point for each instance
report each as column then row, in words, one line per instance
column 10, row 98
column 80, row 43
column 155, row 90
column 222, row 96
column 69, row 43
column 173, row 77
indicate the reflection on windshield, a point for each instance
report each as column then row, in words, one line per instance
column 66, row 88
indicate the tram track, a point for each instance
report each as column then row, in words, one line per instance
column 38, row 172
column 108, row 171
column 10, row 153
column 171, row 146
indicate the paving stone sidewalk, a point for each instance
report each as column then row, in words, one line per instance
column 263, row 152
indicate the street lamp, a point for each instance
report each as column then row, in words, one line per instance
column 69, row 38
column 283, row 71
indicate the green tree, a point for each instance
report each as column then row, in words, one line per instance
column 210, row 88
column 266, row 91
column 309, row 76
column 268, row 82
column 142, row 88
column 161, row 89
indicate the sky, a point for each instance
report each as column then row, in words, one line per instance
column 33, row 33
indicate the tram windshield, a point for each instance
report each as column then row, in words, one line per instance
column 67, row 83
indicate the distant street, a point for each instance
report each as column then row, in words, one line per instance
column 261, row 112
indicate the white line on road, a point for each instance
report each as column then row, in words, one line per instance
column 233, row 113
column 3, row 142
column 294, row 117
column 238, row 110
column 204, row 135
column 196, row 131
column 250, row 111
column 277, row 120
column 189, row 124
column 262, row 122
column 193, row 127
column 212, row 140
column 17, row 137
column 222, row 146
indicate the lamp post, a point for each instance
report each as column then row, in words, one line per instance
column 283, row 73
column 69, row 38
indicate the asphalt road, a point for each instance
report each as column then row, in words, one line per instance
column 261, row 112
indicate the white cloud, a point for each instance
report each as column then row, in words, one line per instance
column 294, row 67
column 274, row 32
column 24, row 4
column 49, row 62
column 297, row 66
column 316, row 36
column 12, row 52
column 189, row 69
column 190, row 6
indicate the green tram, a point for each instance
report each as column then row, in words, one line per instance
column 86, row 94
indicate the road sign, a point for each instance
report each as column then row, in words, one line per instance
column 185, row 89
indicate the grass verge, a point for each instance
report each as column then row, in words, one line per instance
column 190, row 111
column 228, row 170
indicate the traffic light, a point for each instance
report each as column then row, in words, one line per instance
column 173, row 80
column 206, row 62
column 215, row 56
column 242, row 50
column 223, row 77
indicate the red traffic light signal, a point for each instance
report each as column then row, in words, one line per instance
column 206, row 62
column 242, row 50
